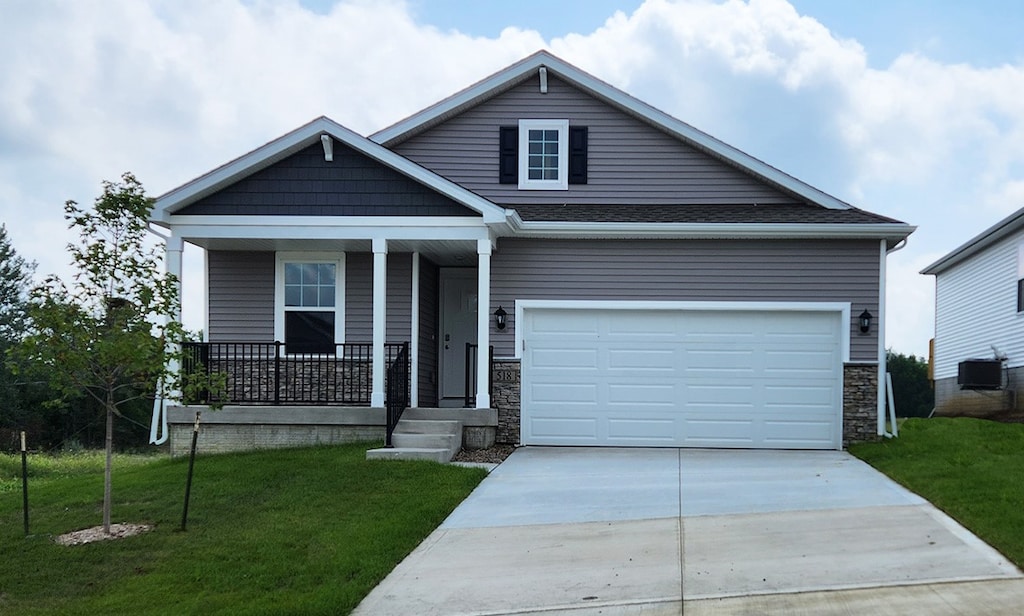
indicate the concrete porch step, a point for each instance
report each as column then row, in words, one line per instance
column 452, row 442
column 410, row 453
column 422, row 439
column 428, row 426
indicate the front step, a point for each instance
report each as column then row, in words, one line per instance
column 410, row 453
column 422, row 439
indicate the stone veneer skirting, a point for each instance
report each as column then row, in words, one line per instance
column 860, row 401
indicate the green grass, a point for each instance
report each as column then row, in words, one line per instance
column 970, row 468
column 301, row 531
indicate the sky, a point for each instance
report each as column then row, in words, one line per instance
column 911, row 109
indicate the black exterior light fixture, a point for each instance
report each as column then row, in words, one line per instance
column 865, row 321
column 499, row 317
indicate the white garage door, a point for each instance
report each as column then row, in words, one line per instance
column 681, row 378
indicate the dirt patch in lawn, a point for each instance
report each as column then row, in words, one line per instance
column 89, row 535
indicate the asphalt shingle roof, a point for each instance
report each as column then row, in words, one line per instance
column 712, row 213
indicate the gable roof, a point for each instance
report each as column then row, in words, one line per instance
column 515, row 74
column 299, row 139
column 997, row 232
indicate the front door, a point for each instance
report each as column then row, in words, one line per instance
column 458, row 290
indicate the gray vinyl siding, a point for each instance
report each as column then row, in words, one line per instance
column 304, row 184
column 359, row 297
column 697, row 270
column 428, row 332
column 241, row 296
column 629, row 161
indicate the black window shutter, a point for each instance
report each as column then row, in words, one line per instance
column 577, row 154
column 508, row 155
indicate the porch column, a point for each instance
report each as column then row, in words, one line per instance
column 380, row 298
column 483, row 326
column 414, row 334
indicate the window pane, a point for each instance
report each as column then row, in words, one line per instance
column 326, row 273
column 292, row 295
column 308, row 332
column 292, row 273
column 326, row 296
column 551, row 135
column 309, row 296
column 309, row 273
column 535, row 174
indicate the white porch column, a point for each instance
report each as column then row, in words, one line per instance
column 483, row 326
column 414, row 334
column 380, row 299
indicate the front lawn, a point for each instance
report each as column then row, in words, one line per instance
column 301, row 531
column 972, row 469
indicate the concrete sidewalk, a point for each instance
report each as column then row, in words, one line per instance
column 638, row 531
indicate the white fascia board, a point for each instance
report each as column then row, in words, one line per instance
column 889, row 231
column 516, row 72
column 313, row 228
column 304, row 136
column 841, row 308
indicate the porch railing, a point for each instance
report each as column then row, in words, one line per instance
column 260, row 373
column 471, row 380
column 396, row 397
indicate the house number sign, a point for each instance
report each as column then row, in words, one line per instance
column 504, row 376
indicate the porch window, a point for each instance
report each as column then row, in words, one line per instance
column 309, row 304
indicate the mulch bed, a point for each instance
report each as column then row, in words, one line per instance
column 495, row 454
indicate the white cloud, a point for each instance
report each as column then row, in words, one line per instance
column 169, row 90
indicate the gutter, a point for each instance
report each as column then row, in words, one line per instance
column 883, row 370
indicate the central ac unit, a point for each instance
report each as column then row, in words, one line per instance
column 980, row 374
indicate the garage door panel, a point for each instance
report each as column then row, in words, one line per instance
column 654, row 324
column 812, row 434
column 565, row 359
column 564, row 393
column 641, row 431
column 642, row 395
column 682, row 378
column 656, row 359
column 558, row 429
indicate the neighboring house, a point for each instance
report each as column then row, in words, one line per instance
column 978, row 356
column 655, row 286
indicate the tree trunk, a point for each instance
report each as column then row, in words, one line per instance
column 110, row 459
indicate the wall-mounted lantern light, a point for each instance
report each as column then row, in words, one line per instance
column 499, row 317
column 865, row 321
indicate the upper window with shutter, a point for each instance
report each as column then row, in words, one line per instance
column 542, row 155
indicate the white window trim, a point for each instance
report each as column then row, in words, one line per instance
column 336, row 258
column 562, row 126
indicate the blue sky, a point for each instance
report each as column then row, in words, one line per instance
column 911, row 109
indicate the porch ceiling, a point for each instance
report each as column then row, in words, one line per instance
column 441, row 252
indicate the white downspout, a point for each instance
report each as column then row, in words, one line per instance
column 158, row 431
column 882, row 367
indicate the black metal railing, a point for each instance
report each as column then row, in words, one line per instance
column 260, row 373
column 396, row 396
column 471, row 380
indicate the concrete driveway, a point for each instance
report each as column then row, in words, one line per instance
column 656, row 531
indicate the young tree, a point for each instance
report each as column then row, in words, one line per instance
column 107, row 332
column 15, row 277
